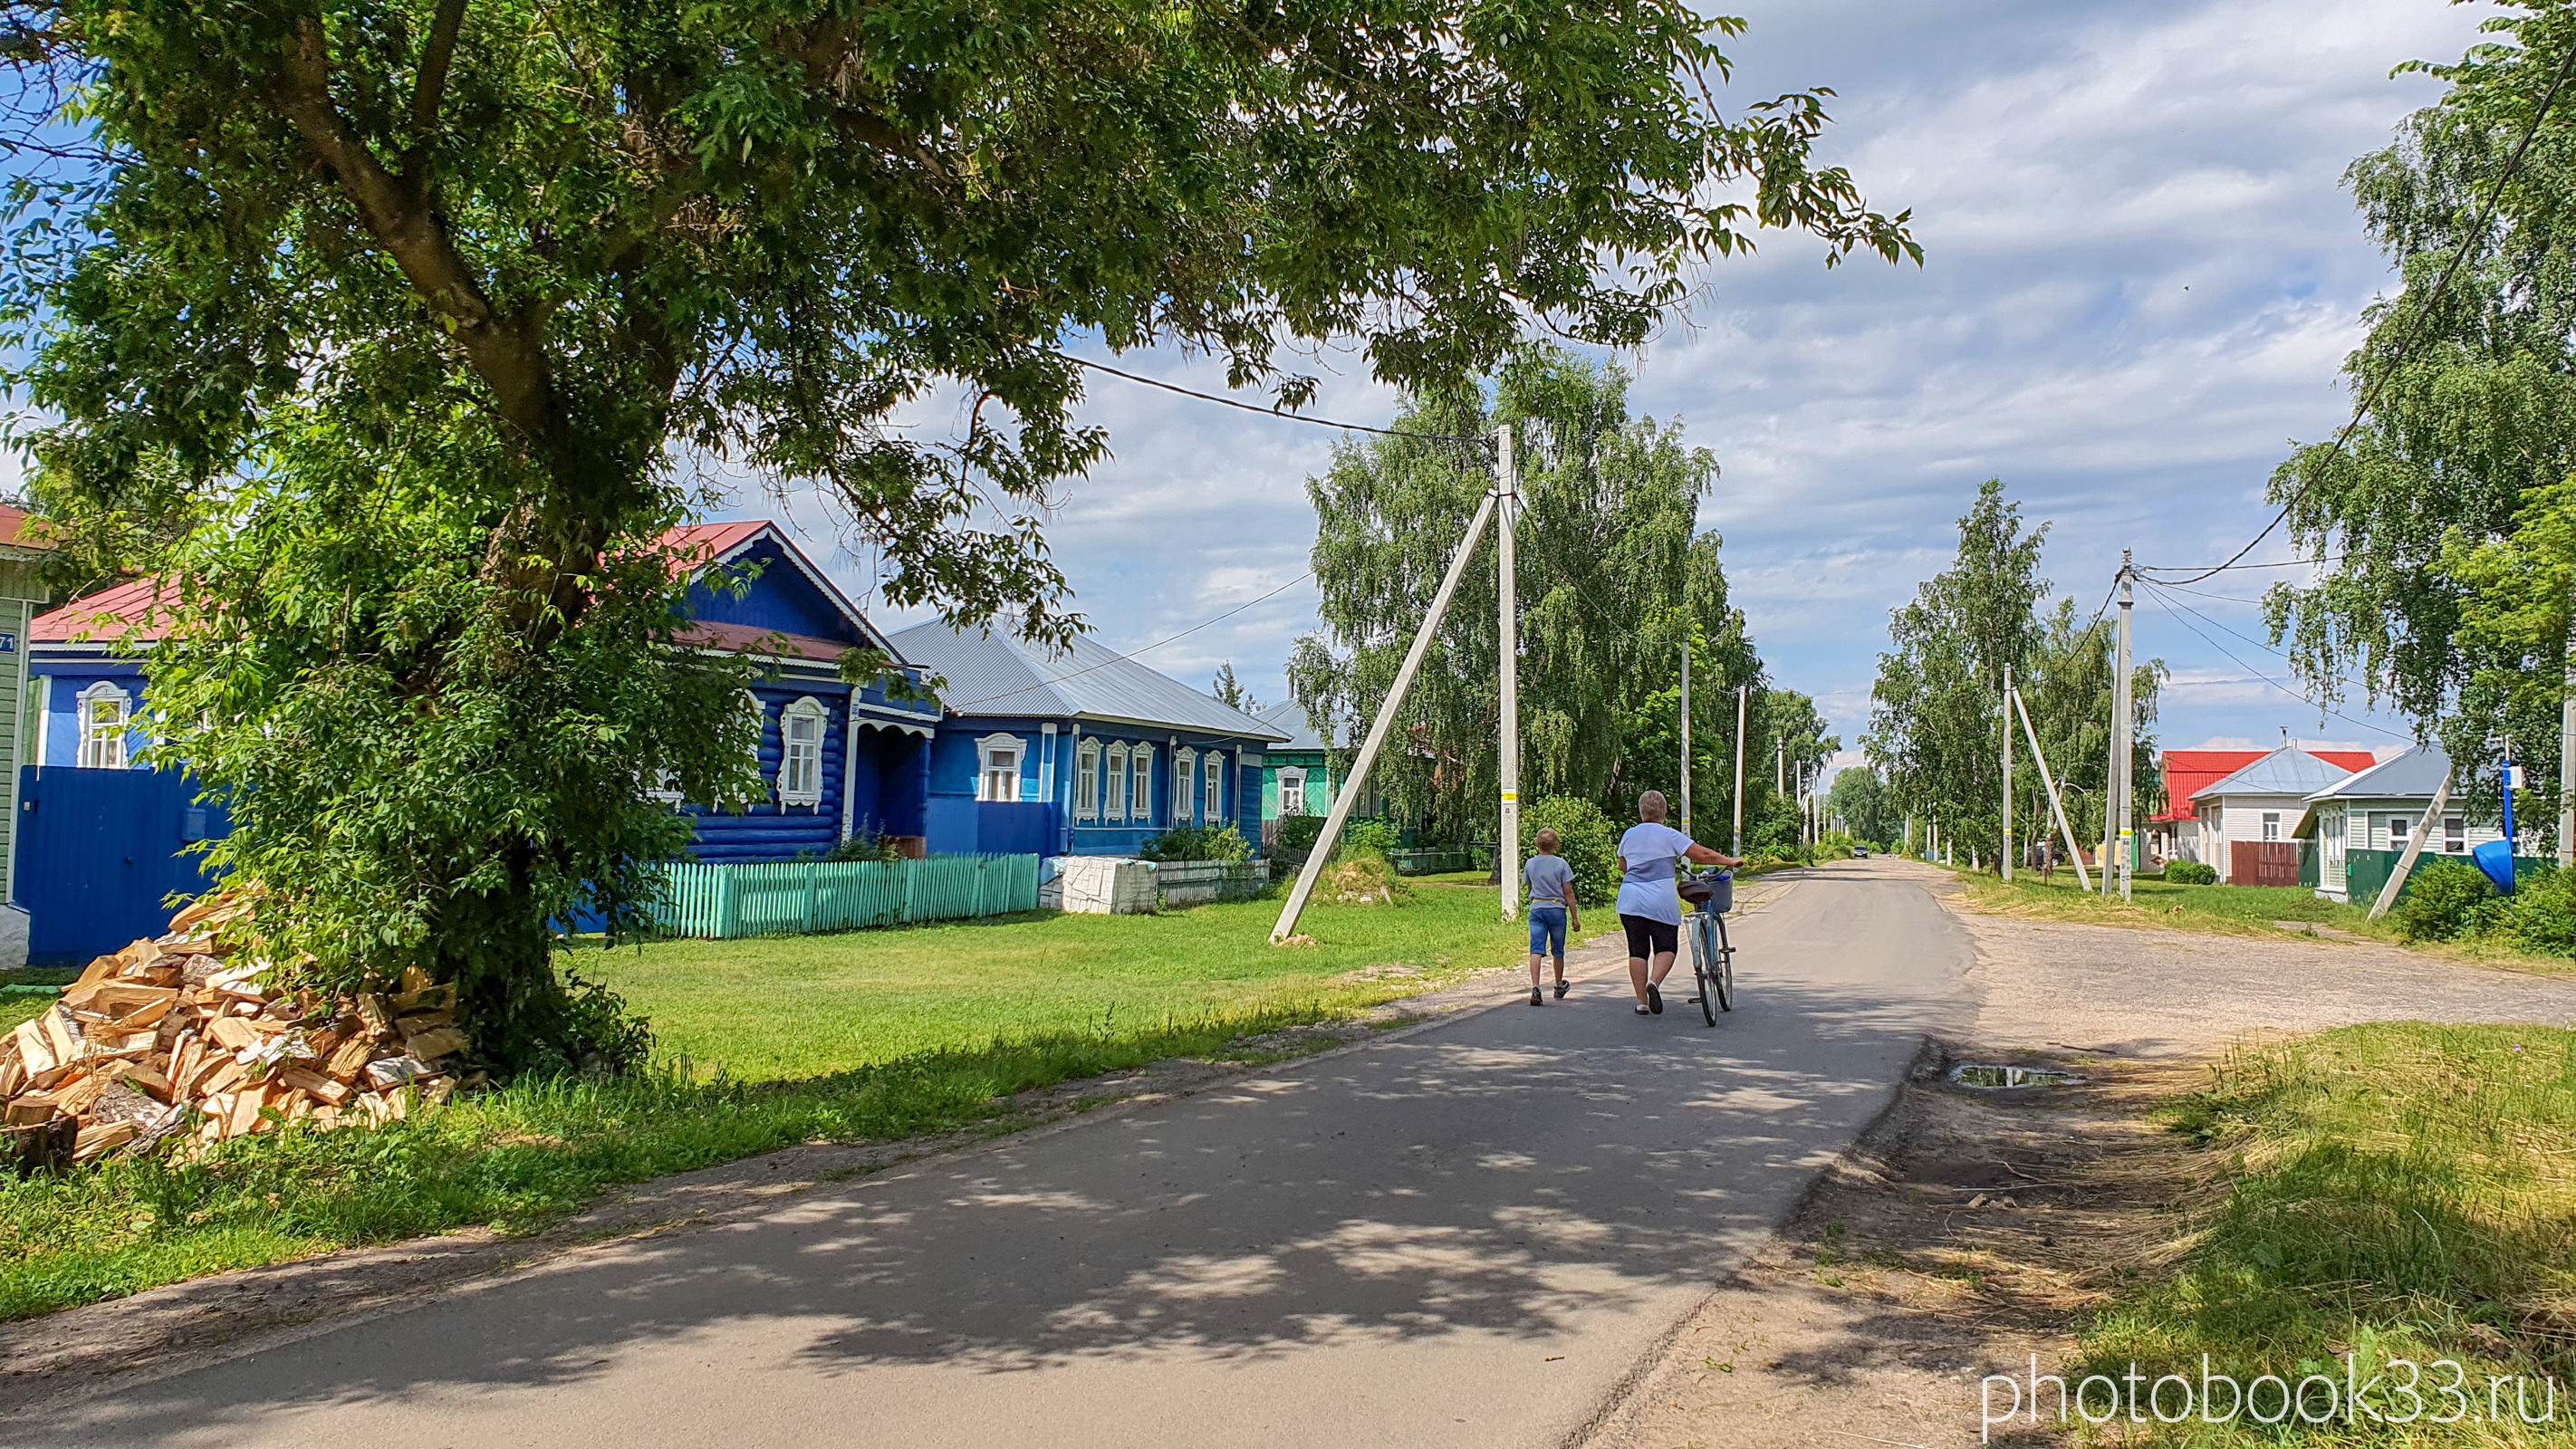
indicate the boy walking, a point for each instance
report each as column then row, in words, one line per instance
column 1551, row 911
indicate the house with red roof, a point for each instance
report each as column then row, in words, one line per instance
column 839, row 760
column 2177, row 834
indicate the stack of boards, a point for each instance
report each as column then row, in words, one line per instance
column 175, row 1039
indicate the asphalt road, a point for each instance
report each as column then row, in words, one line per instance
column 1467, row 1235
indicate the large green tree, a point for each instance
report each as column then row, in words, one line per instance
column 2472, row 416
column 1613, row 574
column 393, row 332
column 1937, row 715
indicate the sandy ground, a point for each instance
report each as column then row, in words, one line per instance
column 1873, row 1316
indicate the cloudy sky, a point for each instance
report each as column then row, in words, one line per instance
column 2141, row 274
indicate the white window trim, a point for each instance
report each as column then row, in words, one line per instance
column 1140, row 793
column 1113, row 784
column 1185, row 787
column 1212, row 802
column 1292, row 786
column 804, row 707
column 666, row 787
column 986, row 765
column 1086, row 780
column 97, row 693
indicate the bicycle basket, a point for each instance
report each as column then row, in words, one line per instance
column 1717, row 892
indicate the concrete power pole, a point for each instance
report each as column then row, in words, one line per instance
column 2566, row 759
column 1353, row 788
column 1686, row 770
column 1507, row 483
column 2007, row 857
column 2120, row 726
column 1737, row 848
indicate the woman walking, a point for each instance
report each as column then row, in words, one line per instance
column 1650, row 855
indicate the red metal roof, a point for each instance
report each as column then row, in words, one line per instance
column 2188, row 772
column 693, row 546
column 84, row 619
column 15, row 533
column 744, row 639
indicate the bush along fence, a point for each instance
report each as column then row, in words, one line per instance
column 723, row 902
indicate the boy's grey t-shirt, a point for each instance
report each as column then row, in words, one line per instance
column 1551, row 880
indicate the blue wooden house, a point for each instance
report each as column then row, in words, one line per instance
column 1085, row 753
column 103, row 832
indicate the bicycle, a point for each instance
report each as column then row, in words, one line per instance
column 1712, row 954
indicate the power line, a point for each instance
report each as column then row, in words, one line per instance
column 1242, row 406
column 2468, row 243
column 2287, row 563
column 1157, row 644
column 2171, row 605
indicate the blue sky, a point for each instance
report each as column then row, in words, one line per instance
column 2142, row 274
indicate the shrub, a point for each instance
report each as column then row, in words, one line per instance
column 2447, row 899
column 1373, row 837
column 2543, row 912
column 2190, row 872
column 865, row 845
column 1586, row 840
column 1197, row 842
column 1298, row 834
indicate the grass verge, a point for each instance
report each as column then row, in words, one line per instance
column 866, row 1037
column 2226, row 910
column 2399, row 1192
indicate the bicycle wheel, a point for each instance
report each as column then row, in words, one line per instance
column 1724, row 976
column 1704, row 964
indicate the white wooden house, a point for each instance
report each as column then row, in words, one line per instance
column 2248, row 822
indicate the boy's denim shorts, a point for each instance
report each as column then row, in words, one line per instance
column 1547, row 930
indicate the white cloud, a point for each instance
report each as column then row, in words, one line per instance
column 2141, row 277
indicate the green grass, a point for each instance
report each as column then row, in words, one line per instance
column 2397, row 1191
column 2248, row 910
column 872, row 1036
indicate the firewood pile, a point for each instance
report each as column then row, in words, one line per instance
column 176, row 1040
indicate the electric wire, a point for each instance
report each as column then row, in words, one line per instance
column 2415, row 328
column 1147, row 649
column 1242, row 406
column 2171, row 606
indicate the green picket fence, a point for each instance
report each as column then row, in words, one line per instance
column 722, row 902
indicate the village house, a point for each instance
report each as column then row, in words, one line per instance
column 2244, row 822
column 1084, row 753
column 22, row 550
column 837, row 760
column 1298, row 773
column 2362, row 823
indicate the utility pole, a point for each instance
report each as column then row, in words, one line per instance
column 2120, row 726
column 2566, row 758
column 1780, row 770
column 1686, row 760
column 2007, row 857
column 1507, row 616
column 1387, row 709
column 1737, row 848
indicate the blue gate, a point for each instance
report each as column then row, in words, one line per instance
column 98, row 851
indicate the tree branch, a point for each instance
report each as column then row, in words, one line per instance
column 509, row 361
column 431, row 86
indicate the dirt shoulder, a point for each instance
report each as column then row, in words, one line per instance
column 1971, row 1230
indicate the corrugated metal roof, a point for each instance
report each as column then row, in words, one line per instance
column 2286, row 771
column 1290, row 720
column 2416, row 773
column 991, row 674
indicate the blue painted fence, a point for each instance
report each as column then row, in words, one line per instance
column 723, row 902
column 99, row 851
